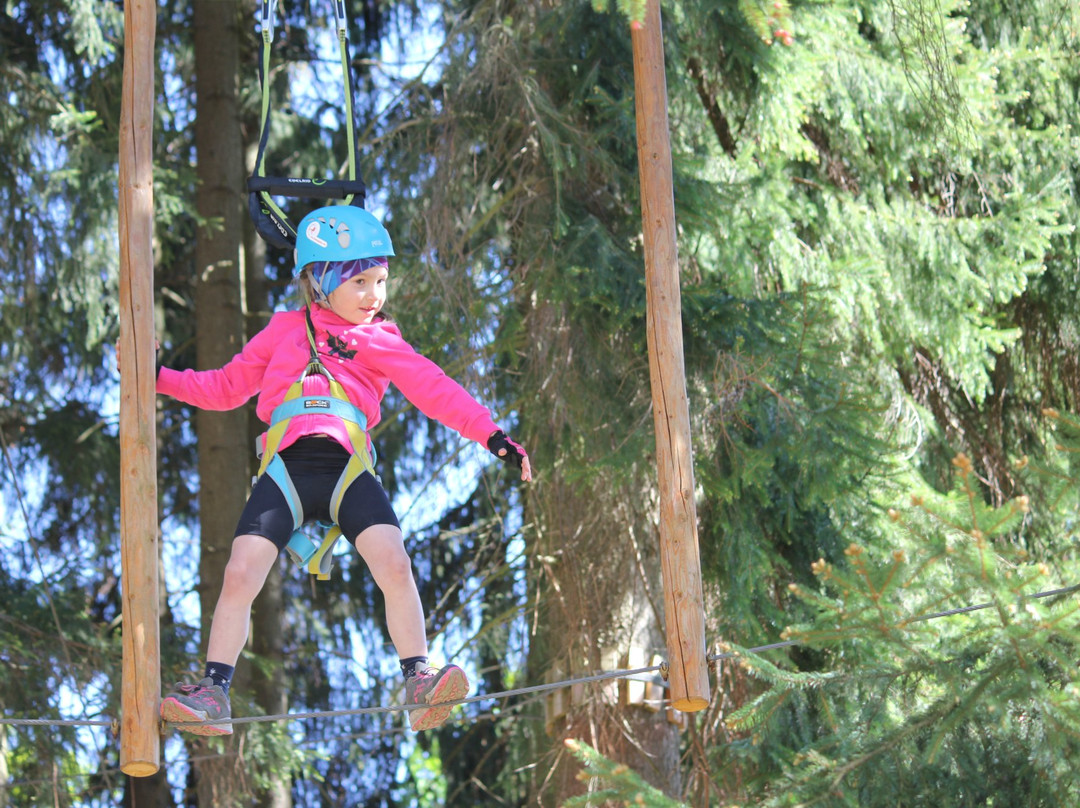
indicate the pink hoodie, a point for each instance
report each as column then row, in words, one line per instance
column 363, row 358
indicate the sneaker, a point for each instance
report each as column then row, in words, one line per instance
column 431, row 686
column 202, row 702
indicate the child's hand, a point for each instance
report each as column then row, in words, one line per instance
column 510, row 452
column 157, row 347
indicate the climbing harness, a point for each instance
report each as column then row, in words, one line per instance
column 315, row 556
column 270, row 220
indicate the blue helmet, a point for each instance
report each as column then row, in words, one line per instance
column 340, row 233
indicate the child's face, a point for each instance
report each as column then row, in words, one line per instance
column 361, row 297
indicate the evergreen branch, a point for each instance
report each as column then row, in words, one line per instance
column 906, row 731
column 622, row 784
column 758, row 711
column 760, row 667
column 965, row 706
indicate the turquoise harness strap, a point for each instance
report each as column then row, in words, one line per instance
column 280, row 475
column 318, row 405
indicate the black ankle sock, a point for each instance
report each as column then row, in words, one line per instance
column 221, row 674
column 408, row 665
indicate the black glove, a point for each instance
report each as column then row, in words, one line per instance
column 505, row 449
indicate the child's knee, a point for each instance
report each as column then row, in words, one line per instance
column 390, row 567
column 239, row 576
column 248, row 565
column 383, row 550
column 399, row 567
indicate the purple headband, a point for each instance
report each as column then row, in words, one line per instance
column 335, row 273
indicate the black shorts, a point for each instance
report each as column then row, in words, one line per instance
column 315, row 464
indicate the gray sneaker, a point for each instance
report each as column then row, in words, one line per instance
column 431, row 686
column 193, row 703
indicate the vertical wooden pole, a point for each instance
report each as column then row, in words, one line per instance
column 684, row 611
column 140, row 742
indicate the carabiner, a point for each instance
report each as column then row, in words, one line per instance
column 342, row 22
column 266, row 18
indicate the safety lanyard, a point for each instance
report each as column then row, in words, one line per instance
column 270, row 220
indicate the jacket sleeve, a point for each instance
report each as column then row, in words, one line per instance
column 435, row 394
column 227, row 387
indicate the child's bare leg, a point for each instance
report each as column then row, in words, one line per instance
column 383, row 549
column 250, row 562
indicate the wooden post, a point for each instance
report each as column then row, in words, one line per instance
column 140, row 741
column 684, row 611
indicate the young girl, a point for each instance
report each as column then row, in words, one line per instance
column 340, row 341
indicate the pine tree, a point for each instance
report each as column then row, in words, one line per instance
column 60, row 499
column 617, row 783
column 904, row 256
column 877, row 229
column 857, row 249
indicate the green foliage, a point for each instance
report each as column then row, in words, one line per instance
column 425, row 769
column 612, row 783
column 878, row 289
column 877, row 232
column 59, row 635
column 871, row 224
column 916, row 679
column 634, row 10
column 770, row 19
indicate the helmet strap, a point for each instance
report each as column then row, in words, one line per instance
column 315, row 277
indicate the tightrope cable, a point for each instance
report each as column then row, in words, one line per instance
column 1065, row 590
column 922, row 618
column 505, row 694
column 397, row 708
column 58, row 722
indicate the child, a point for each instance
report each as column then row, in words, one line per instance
column 341, row 341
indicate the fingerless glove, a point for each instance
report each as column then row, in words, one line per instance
column 497, row 442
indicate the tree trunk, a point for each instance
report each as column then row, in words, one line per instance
column 599, row 601
column 601, row 610
column 146, row 792
column 153, row 791
column 219, row 311
column 267, row 639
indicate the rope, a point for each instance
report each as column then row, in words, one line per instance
column 1065, row 590
column 270, row 220
column 505, row 694
column 59, row 722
